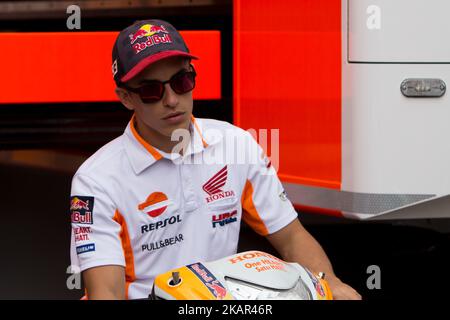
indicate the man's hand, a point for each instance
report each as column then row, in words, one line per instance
column 295, row 244
column 342, row 291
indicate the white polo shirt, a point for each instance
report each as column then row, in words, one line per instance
column 135, row 206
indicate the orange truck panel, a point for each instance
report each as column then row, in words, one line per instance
column 46, row 67
column 287, row 76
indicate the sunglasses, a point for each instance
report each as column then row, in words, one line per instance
column 153, row 90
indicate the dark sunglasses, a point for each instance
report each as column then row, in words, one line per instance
column 153, row 90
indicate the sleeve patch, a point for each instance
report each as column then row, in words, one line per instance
column 85, row 248
column 81, row 209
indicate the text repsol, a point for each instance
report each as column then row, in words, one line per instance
column 160, row 224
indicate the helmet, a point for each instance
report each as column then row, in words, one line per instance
column 250, row 275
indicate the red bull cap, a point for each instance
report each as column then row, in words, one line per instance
column 144, row 43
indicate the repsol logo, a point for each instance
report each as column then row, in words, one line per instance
column 160, row 224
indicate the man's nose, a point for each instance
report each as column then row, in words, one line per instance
column 170, row 98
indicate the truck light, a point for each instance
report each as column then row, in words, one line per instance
column 414, row 88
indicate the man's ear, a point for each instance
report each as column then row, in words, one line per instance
column 125, row 97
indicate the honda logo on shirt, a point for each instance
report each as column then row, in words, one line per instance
column 213, row 187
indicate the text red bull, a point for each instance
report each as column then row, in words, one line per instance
column 147, row 30
column 151, row 41
column 85, row 218
column 210, row 281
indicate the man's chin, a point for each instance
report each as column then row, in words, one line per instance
column 177, row 129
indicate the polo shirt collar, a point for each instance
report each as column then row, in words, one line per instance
column 142, row 154
column 198, row 142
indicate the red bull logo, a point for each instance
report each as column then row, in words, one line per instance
column 77, row 204
column 158, row 29
column 152, row 34
column 146, row 30
column 81, row 209
column 85, row 218
column 137, row 35
column 319, row 289
column 218, row 290
column 317, row 284
column 210, row 281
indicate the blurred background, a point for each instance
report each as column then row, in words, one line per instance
column 57, row 107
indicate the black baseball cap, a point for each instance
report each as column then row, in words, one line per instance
column 142, row 44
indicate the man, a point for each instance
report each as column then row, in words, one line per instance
column 143, row 204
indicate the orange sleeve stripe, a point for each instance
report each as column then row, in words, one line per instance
column 130, row 275
column 144, row 143
column 250, row 215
